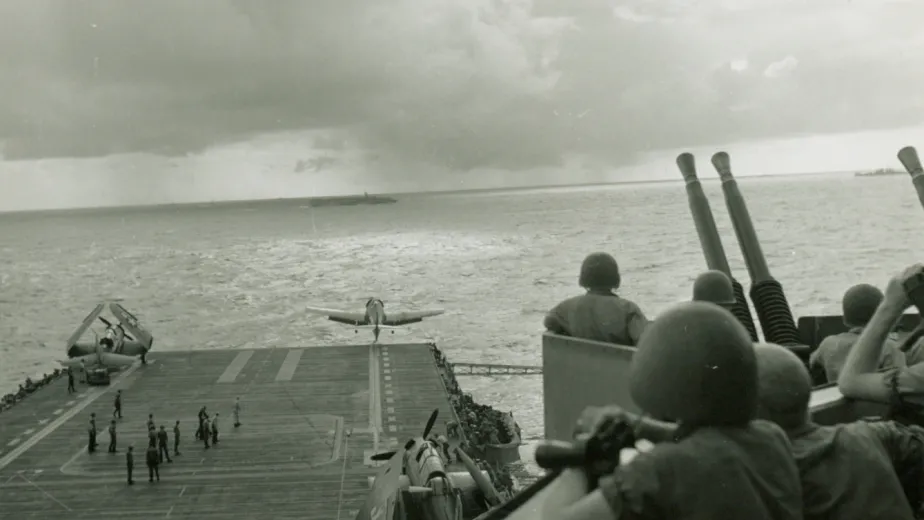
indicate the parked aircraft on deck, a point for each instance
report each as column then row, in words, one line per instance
column 434, row 493
column 124, row 339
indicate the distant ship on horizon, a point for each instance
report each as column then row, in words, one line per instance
column 879, row 172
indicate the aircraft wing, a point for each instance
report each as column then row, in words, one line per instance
column 131, row 324
column 380, row 504
column 350, row 318
column 403, row 318
column 89, row 320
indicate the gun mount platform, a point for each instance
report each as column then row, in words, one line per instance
column 311, row 417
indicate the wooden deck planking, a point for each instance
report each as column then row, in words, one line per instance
column 294, row 456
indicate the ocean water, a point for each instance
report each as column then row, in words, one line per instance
column 238, row 275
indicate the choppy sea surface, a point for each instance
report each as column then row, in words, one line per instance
column 238, row 275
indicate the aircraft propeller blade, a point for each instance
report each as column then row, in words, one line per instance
column 383, row 456
column 431, row 422
column 109, row 324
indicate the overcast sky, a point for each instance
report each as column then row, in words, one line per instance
column 511, row 84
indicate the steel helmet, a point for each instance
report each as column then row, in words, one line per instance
column 859, row 304
column 695, row 364
column 714, row 286
column 599, row 271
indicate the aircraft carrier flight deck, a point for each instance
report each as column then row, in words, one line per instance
column 311, row 418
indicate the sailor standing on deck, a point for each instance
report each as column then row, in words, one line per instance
column 203, row 415
column 112, row 436
column 153, row 461
column 91, row 447
column 150, row 422
column 214, row 429
column 237, row 412
column 70, row 381
column 176, row 439
column 162, row 450
column 130, row 464
column 204, row 432
column 117, row 405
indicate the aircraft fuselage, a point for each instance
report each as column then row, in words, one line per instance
column 375, row 315
column 424, row 468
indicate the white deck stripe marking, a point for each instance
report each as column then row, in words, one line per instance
column 70, row 403
column 375, row 399
column 182, row 491
column 71, row 460
column 287, row 370
column 59, row 411
column 29, row 431
column 93, row 395
column 234, row 368
column 13, row 442
column 43, row 421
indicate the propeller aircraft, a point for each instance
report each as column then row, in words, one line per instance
column 124, row 340
column 374, row 317
column 434, row 493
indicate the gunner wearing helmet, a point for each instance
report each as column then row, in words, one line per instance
column 859, row 304
column 695, row 364
column 599, row 314
column 848, row 471
column 902, row 387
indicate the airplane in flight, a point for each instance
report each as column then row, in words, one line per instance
column 374, row 317
column 437, row 495
column 123, row 341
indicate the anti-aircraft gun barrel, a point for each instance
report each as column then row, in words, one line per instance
column 773, row 309
column 710, row 240
column 909, row 159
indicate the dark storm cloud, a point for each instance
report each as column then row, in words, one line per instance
column 504, row 83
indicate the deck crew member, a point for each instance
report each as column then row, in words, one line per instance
column 162, row 450
column 237, row 412
column 117, row 405
column 900, row 387
column 152, row 437
column 130, row 464
column 849, row 471
column 204, row 427
column 176, row 438
column 151, row 425
column 153, row 461
column 718, row 461
column 112, row 436
column 599, row 314
column 858, row 305
column 70, row 382
column 443, row 443
column 203, row 415
column 91, row 430
column 213, row 428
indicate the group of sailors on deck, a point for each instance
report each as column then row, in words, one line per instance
column 158, row 438
column 729, row 420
